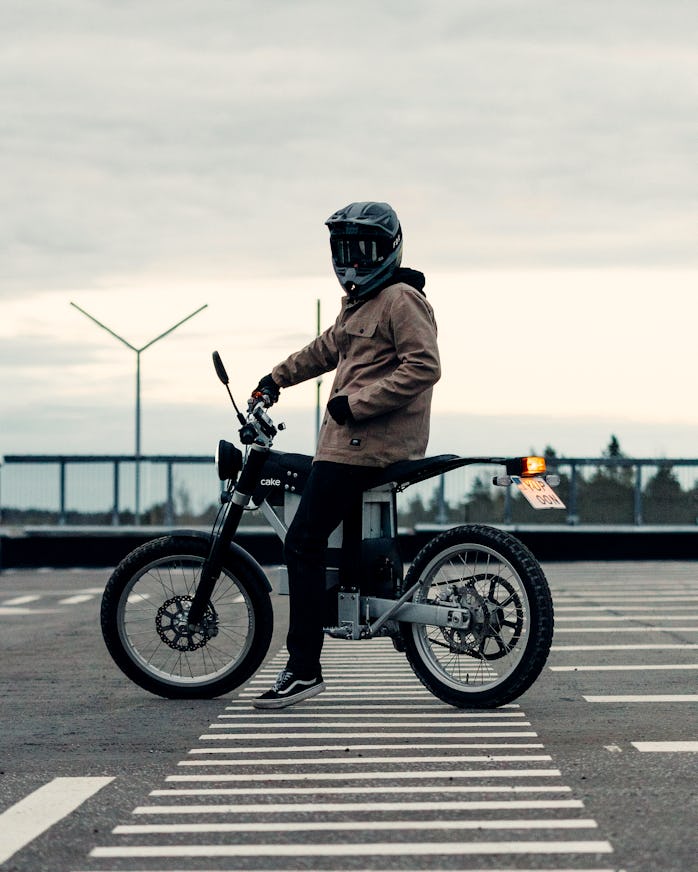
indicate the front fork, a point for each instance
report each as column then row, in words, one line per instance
column 211, row 569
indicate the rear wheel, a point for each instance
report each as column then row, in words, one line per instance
column 503, row 649
column 145, row 626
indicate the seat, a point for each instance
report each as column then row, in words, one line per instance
column 410, row 471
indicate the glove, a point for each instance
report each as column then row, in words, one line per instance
column 338, row 407
column 269, row 388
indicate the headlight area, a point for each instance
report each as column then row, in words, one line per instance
column 228, row 460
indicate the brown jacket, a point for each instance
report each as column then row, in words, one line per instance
column 386, row 358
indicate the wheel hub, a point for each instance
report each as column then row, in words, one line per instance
column 487, row 618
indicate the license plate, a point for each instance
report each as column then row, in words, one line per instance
column 538, row 492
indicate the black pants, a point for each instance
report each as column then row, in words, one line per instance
column 332, row 491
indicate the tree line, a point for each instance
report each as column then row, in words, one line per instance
column 607, row 496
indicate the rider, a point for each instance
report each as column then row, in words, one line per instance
column 384, row 350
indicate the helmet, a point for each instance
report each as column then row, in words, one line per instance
column 366, row 242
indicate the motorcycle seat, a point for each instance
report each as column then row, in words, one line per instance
column 410, row 471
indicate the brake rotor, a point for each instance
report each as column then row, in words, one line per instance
column 172, row 625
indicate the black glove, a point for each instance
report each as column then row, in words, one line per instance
column 338, row 407
column 269, row 387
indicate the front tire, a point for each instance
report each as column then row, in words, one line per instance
column 143, row 617
column 499, row 582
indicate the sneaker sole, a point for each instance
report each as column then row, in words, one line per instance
column 289, row 701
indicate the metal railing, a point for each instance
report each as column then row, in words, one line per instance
column 183, row 489
column 107, row 489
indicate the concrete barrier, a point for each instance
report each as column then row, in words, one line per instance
column 92, row 547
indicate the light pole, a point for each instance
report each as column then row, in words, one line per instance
column 137, row 512
column 318, row 384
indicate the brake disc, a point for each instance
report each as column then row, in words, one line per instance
column 172, row 625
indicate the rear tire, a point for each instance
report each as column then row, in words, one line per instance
column 144, row 625
column 499, row 656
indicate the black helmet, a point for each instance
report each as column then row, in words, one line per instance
column 366, row 242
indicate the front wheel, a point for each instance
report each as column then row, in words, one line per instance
column 500, row 653
column 145, row 627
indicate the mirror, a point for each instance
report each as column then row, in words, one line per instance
column 220, row 369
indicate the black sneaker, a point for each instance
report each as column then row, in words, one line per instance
column 288, row 689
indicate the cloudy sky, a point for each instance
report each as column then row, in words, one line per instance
column 157, row 156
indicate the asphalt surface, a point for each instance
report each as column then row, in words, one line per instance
column 594, row 768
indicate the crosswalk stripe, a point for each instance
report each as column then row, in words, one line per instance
column 445, row 747
column 343, row 807
column 385, row 761
column 365, row 790
column 363, row 826
column 385, row 734
column 376, row 776
column 357, row 849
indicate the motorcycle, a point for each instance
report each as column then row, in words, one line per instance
column 190, row 615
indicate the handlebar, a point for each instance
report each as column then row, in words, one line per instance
column 258, row 429
column 260, row 396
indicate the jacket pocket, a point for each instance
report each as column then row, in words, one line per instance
column 348, row 441
column 362, row 329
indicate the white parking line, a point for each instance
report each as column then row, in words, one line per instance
column 31, row 816
column 646, row 697
column 608, row 607
column 644, row 667
column 667, row 747
column 616, row 618
column 686, row 646
column 21, row 610
column 21, row 600
column 644, row 630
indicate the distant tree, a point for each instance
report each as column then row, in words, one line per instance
column 665, row 501
column 415, row 513
column 483, row 503
column 613, row 449
column 607, row 497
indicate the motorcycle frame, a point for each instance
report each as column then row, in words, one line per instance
column 367, row 616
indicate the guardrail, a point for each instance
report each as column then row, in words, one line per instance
column 99, row 490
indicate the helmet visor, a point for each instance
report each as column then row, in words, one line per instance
column 358, row 251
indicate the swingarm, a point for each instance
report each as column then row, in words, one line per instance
column 365, row 617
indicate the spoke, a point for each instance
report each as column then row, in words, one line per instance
column 166, row 588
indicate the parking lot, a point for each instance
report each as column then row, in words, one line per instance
column 594, row 768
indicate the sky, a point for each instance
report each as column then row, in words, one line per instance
column 157, row 157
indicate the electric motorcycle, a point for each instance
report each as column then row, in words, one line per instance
column 190, row 615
